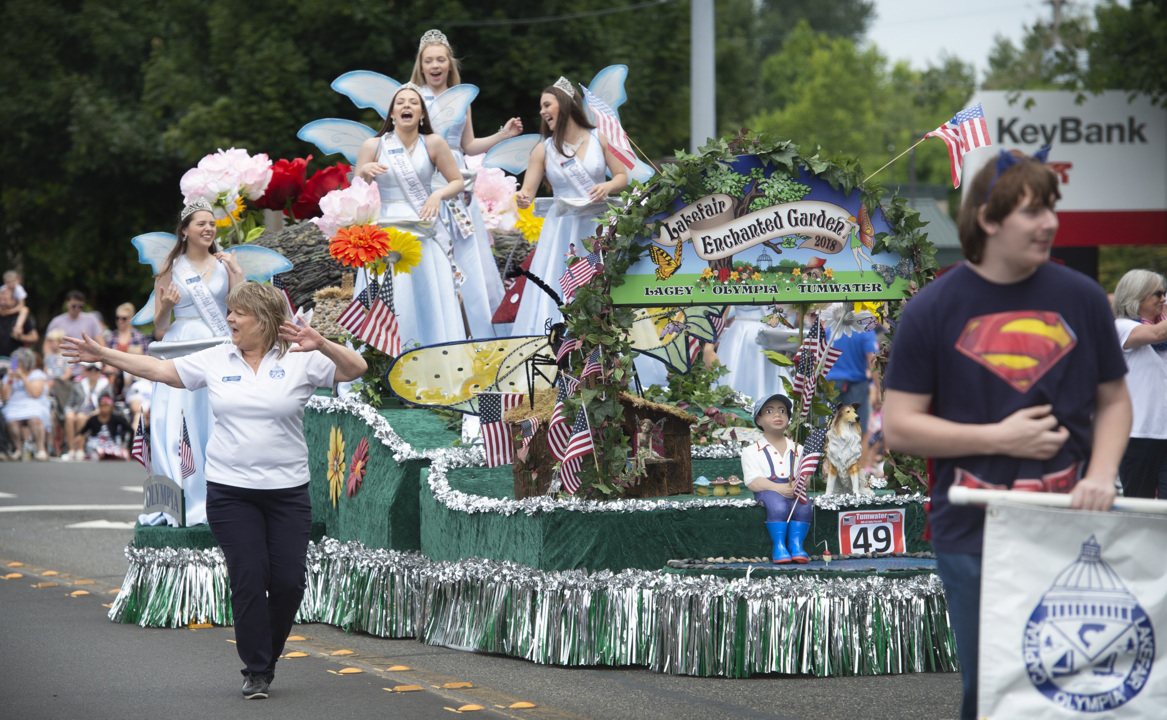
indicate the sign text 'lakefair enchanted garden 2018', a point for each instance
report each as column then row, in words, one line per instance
column 765, row 237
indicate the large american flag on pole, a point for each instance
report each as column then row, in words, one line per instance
column 496, row 436
column 185, row 454
column 608, row 123
column 579, row 274
column 380, row 328
column 141, row 449
column 579, row 447
column 966, row 131
column 354, row 315
column 812, row 452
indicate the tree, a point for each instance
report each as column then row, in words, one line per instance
column 1034, row 63
column 1128, row 50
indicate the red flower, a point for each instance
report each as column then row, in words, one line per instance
column 319, row 185
column 358, row 468
column 722, row 274
column 287, row 182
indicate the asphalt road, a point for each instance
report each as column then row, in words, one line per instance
column 66, row 524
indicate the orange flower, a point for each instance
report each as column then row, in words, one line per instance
column 355, row 246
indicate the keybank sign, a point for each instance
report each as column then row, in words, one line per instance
column 1070, row 130
column 1110, row 156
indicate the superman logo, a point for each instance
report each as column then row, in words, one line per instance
column 1018, row 347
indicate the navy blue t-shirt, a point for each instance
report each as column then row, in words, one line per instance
column 984, row 351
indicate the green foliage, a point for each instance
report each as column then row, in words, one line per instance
column 373, row 387
column 1127, row 50
column 1034, row 63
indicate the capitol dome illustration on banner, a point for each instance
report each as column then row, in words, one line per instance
column 1089, row 645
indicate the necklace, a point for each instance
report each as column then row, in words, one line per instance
column 572, row 147
column 206, row 266
column 412, row 145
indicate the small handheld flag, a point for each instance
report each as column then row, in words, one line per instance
column 965, row 131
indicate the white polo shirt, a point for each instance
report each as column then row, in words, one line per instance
column 258, row 440
column 754, row 464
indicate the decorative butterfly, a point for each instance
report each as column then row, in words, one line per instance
column 903, row 269
column 666, row 264
column 866, row 229
column 258, row 263
column 451, row 375
column 368, row 89
column 514, row 154
column 675, row 324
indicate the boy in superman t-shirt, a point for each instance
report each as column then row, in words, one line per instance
column 1007, row 371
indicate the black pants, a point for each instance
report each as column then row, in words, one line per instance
column 264, row 538
column 1143, row 469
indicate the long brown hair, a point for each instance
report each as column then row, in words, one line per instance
column 180, row 246
column 423, row 128
column 569, row 109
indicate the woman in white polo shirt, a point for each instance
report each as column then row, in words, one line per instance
column 257, row 461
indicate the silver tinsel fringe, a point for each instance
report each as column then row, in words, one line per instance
column 679, row 624
column 444, row 459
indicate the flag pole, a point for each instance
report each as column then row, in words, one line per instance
column 897, row 157
column 646, row 158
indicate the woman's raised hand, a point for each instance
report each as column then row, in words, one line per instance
column 167, row 300
column 229, row 260
column 84, row 350
column 512, row 128
column 303, row 338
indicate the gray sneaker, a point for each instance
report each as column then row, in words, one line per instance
column 255, row 686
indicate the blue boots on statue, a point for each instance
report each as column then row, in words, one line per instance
column 795, row 536
column 778, row 536
column 788, row 539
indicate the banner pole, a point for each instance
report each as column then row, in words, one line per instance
column 959, row 495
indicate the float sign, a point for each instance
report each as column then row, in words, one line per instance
column 757, row 235
column 871, row 532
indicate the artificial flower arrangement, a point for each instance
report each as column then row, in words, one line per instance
column 355, row 240
column 237, row 185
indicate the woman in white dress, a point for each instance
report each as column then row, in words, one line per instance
column 573, row 156
column 401, row 159
column 435, row 71
column 749, row 370
column 193, row 284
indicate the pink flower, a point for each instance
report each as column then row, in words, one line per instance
column 358, row 204
column 495, row 191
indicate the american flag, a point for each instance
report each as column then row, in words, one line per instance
column 807, row 357
column 608, row 123
column 568, row 345
column 558, row 432
column 579, row 447
column 354, row 315
column 965, row 131
column 528, row 428
column 578, row 275
column 278, row 283
column 718, row 324
column 812, row 452
column 828, row 354
column 185, row 454
column 496, row 436
column 141, row 448
column 592, row 366
column 694, row 349
column 380, row 328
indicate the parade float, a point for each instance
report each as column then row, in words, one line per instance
column 578, row 524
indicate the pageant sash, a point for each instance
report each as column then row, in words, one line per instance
column 573, row 167
column 458, row 217
column 204, row 301
column 395, row 156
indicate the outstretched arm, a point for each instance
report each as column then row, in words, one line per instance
column 476, row 146
column 532, row 178
column 86, row 349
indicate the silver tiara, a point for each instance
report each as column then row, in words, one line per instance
column 193, row 208
column 409, row 86
column 565, row 85
column 433, row 37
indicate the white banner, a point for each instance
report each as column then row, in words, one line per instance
column 1070, row 606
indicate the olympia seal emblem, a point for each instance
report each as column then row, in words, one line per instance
column 1089, row 645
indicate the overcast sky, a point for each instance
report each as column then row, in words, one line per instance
column 920, row 31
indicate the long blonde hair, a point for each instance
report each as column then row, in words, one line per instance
column 267, row 306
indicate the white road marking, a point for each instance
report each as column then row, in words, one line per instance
column 6, row 495
column 133, row 488
column 101, row 525
column 62, row 508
